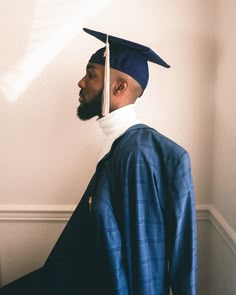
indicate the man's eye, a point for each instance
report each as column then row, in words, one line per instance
column 91, row 76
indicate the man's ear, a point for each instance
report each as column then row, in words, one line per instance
column 120, row 87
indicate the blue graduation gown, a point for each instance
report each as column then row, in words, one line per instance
column 134, row 230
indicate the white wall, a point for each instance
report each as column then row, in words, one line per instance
column 204, row 226
column 222, row 266
column 25, row 245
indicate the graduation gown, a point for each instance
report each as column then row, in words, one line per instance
column 134, row 230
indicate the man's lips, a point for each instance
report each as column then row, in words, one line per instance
column 81, row 97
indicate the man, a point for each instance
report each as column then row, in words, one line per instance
column 134, row 230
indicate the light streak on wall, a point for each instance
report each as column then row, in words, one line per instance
column 55, row 23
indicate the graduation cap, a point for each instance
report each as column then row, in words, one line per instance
column 125, row 56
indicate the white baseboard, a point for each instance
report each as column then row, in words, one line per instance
column 32, row 213
column 62, row 213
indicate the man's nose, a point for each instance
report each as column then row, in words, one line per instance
column 81, row 83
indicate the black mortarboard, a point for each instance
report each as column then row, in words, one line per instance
column 126, row 56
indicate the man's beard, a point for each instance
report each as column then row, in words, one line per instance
column 86, row 111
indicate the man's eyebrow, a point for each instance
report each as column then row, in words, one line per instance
column 89, row 66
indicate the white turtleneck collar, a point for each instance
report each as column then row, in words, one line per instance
column 115, row 124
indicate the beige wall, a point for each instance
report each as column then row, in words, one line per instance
column 47, row 155
column 224, row 145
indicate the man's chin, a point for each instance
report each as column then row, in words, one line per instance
column 83, row 115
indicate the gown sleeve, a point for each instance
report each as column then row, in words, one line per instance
column 181, row 230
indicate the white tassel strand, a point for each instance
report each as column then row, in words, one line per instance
column 106, row 90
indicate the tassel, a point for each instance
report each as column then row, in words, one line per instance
column 106, row 89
